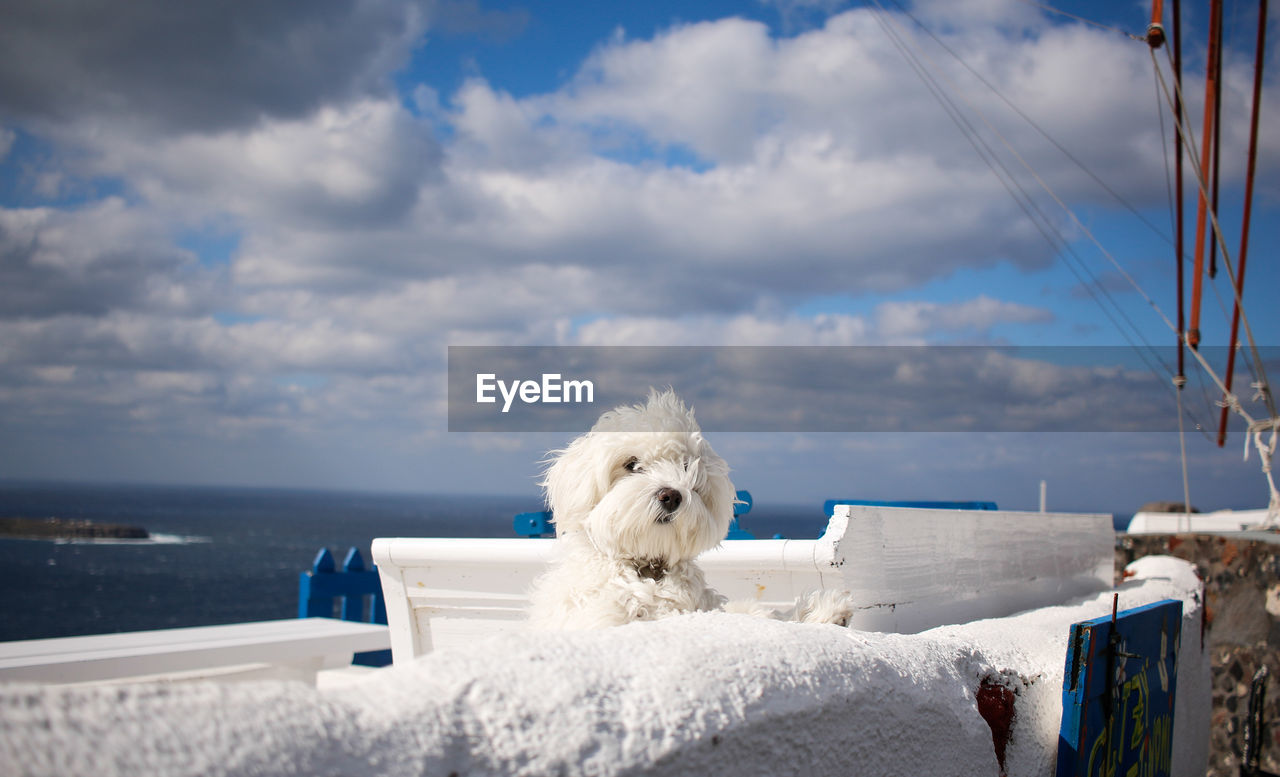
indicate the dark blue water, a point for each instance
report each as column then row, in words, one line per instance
column 228, row 555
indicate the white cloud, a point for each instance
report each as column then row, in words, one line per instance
column 212, row 66
column 104, row 256
column 889, row 323
column 980, row 14
column 688, row 188
column 342, row 167
column 896, row 320
column 742, row 329
column 707, row 85
column 831, row 168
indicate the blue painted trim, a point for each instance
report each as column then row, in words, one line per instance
column 319, row 586
column 536, row 524
column 741, row 507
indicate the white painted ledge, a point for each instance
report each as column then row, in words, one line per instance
column 1205, row 523
column 296, row 648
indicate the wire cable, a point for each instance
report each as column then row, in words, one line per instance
column 1034, row 125
column 1068, row 14
column 1025, row 201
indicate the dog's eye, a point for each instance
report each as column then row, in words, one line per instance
column 632, row 465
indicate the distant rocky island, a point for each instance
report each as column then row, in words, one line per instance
column 68, row 529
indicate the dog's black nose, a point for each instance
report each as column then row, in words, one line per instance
column 669, row 498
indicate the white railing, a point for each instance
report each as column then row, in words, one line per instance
column 296, row 649
column 908, row 568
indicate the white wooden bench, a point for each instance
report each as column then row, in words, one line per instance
column 909, row 568
column 296, row 648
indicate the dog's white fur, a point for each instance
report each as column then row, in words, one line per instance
column 625, row 553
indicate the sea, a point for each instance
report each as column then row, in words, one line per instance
column 229, row 555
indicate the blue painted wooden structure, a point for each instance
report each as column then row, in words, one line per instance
column 354, row 594
column 1118, row 693
column 535, row 524
column 829, row 506
column 539, row 523
column 740, row 507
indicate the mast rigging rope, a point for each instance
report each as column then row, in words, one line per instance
column 1266, row 451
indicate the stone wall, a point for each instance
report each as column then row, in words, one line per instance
column 1242, row 617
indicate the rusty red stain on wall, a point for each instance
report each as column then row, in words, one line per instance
column 995, row 705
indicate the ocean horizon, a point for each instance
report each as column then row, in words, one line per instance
column 232, row 554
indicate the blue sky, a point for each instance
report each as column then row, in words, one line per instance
column 235, row 245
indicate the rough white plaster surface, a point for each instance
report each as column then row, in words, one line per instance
column 709, row 693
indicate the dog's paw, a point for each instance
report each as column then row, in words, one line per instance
column 825, row 607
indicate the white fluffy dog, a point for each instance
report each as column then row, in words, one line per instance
column 635, row 500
